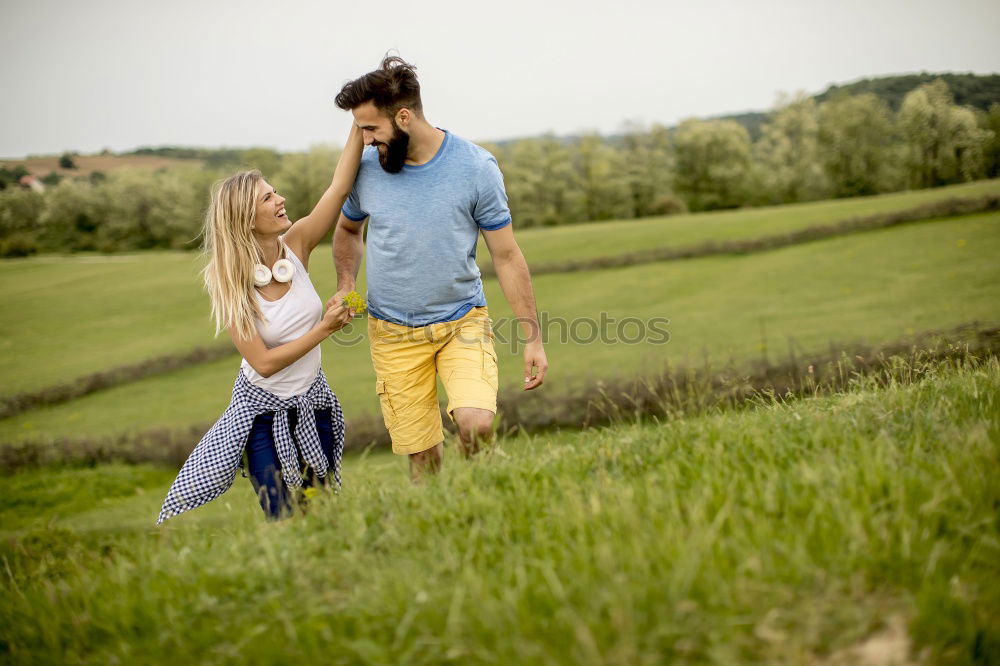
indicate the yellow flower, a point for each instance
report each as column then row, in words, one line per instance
column 354, row 301
column 309, row 493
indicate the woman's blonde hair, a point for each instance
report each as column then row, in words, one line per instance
column 232, row 253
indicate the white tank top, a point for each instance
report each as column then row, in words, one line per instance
column 286, row 319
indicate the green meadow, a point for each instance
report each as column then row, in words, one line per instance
column 64, row 317
column 597, row 239
column 819, row 529
column 790, row 532
column 869, row 288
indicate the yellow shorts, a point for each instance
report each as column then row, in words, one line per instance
column 407, row 362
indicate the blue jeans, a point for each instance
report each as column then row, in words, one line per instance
column 265, row 468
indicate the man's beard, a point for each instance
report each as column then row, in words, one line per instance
column 393, row 157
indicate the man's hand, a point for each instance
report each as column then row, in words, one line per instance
column 535, row 365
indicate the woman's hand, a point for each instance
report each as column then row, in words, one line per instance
column 267, row 361
column 335, row 317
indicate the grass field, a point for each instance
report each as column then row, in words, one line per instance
column 871, row 287
column 597, row 239
column 64, row 317
column 816, row 531
column 795, row 533
column 71, row 316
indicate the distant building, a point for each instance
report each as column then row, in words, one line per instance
column 32, row 183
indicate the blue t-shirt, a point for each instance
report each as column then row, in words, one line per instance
column 422, row 230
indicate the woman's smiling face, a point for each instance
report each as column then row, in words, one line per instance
column 270, row 216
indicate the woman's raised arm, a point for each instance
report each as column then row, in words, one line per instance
column 308, row 231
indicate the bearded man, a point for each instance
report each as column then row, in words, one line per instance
column 427, row 194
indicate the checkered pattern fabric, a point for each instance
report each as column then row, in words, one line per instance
column 210, row 469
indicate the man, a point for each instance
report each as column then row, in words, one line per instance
column 427, row 194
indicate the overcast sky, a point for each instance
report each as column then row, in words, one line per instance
column 127, row 73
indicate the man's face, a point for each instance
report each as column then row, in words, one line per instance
column 379, row 130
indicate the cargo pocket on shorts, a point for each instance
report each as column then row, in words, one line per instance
column 388, row 415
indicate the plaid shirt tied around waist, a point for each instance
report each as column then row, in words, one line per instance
column 210, row 469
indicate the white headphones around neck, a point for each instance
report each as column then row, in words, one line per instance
column 282, row 271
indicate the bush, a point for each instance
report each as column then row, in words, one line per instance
column 73, row 211
column 11, row 176
column 52, row 179
column 668, row 204
column 19, row 244
column 20, row 211
column 126, row 210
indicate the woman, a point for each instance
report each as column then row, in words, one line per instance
column 282, row 410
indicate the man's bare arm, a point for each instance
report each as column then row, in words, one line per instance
column 348, row 248
column 515, row 280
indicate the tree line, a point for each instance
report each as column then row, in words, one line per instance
column 849, row 145
column 806, row 148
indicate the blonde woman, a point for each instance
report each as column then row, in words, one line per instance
column 282, row 412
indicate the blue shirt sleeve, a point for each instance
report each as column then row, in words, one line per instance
column 352, row 207
column 491, row 211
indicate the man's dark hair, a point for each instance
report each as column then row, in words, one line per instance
column 391, row 87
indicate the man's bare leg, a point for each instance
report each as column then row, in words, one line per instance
column 475, row 429
column 425, row 462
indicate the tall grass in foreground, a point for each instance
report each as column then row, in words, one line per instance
column 783, row 533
